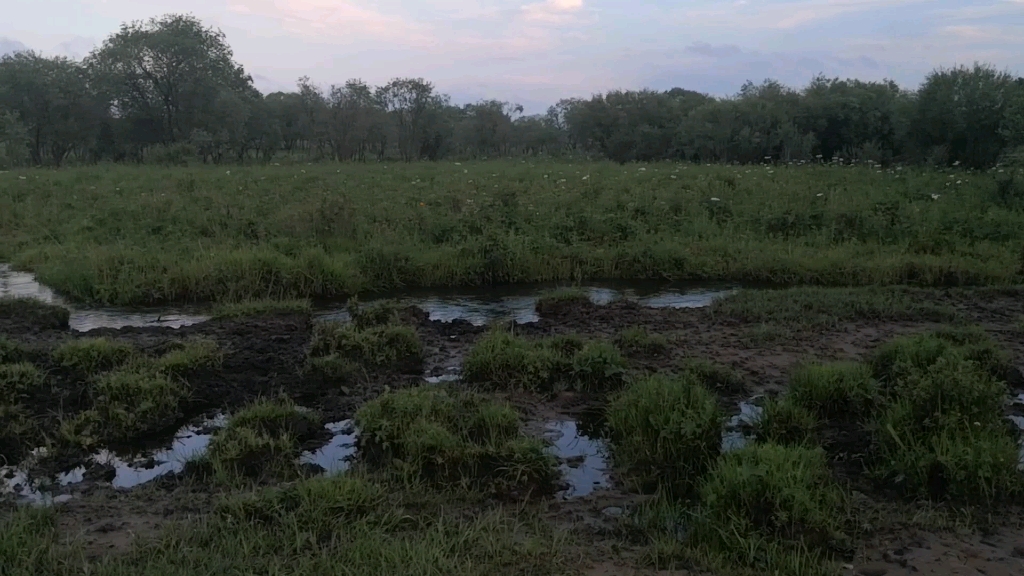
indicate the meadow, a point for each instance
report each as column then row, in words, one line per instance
column 130, row 235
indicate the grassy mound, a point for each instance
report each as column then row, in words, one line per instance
column 665, row 431
column 260, row 443
column 461, row 439
column 266, row 307
column 637, row 340
column 772, row 509
column 713, row 376
column 835, row 390
column 190, row 355
column 561, row 300
column 786, row 423
column 504, row 361
column 389, row 347
column 17, row 380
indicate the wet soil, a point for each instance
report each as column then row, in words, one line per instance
column 264, row 356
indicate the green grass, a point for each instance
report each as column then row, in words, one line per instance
column 188, row 355
column 18, row 432
column 144, row 234
column 787, row 423
column 829, row 307
column 343, row 525
column 38, row 314
column 772, row 509
column 666, row 432
column 637, row 340
column 389, row 347
column 453, row 439
column 89, row 356
column 18, row 379
column 376, row 314
column 262, row 307
column 503, row 361
column 261, row 443
column 837, row 390
column 560, row 300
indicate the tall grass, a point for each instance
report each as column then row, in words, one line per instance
column 131, row 235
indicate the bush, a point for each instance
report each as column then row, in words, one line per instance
column 93, row 355
column 376, row 314
column 771, row 508
column 12, row 352
column 447, row 438
column 786, row 423
column 834, row 390
column 666, row 432
column 277, row 417
column 18, row 379
column 910, row 354
column 39, row 315
column 391, row 347
column 637, row 340
column 504, row 361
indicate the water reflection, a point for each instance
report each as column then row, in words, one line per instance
column 584, row 466
column 335, row 456
column 737, row 432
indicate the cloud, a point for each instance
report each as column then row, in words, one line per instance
column 552, row 11
column 10, row 46
column 782, row 15
column 340, row 20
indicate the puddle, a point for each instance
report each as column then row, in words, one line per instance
column 737, row 434
column 584, row 463
column 442, row 379
column 336, row 455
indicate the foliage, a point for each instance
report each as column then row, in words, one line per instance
column 18, row 379
column 501, row 360
column 786, row 423
column 555, row 301
column 250, row 308
column 637, row 340
column 189, row 355
column 833, row 391
column 666, row 432
column 91, row 356
column 447, row 438
column 129, row 404
column 712, row 375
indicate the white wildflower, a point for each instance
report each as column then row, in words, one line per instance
column 713, row 199
column 935, row 196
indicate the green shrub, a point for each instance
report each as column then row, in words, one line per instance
column 447, row 438
column 17, row 380
column 391, row 347
column 376, row 314
column 902, row 356
column 772, row 509
column 318, row 504
column 18, row 433
column 133, row 402
column 712, row 375
column 504, row 361
column 637, row 340
column 665, row 431
column 833, row 390
column 33, row 312
column 252, row 308
column 277, row 417
column 93, row 355
column 787, row 423
column 190, row 355
column 560, row 300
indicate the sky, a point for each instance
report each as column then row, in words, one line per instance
column 536, row 52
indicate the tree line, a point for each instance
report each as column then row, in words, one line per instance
column 168, row 90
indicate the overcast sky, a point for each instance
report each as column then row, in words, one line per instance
column 537, row 51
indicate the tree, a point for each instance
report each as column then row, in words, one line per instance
column 411, row 102
column 52, row 99
column 14, row 140
column 168, row 73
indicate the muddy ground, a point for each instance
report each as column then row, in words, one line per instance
column 264, row 356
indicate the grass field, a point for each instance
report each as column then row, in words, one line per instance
column 136, row 235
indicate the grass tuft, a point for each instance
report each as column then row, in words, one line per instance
column 376, row 314
column 90, row 356
column 561, row 300
column 17, row 380
column 266, row 307
column 453, row 439
column 128, row 404
column 12, row 352
column 18, row 433
column 834, row 390
column 190, row 355
column 713, row 376
column 391, row 347
column 773, row 509
column 503, row 361
column 637, row 340
column 786, row 423
column 666, row 432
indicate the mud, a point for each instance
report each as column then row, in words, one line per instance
column 264, row 356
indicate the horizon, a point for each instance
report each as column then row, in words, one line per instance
column 537, row 52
